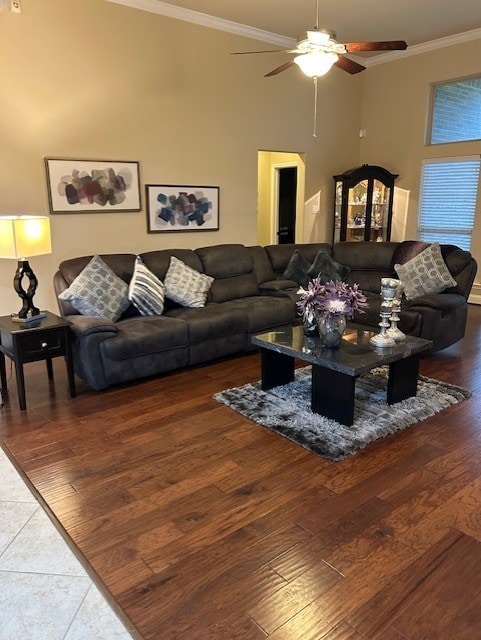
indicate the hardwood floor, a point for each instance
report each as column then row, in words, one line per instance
column 202, row 525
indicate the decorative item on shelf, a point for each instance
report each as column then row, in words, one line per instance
column 330, row 304
column 389, row 288
column 394, row 330
column 22, row 237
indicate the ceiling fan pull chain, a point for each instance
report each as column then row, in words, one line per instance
column 318, row 17
column 314, row 133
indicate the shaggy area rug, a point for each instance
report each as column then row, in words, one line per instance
column 286, row 410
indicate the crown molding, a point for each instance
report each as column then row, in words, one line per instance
column 432, row 45
column 206, row 20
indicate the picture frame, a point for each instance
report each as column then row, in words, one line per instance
column 179, row 208
column 92, row 186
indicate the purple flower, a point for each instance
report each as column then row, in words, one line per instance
column 332, row 297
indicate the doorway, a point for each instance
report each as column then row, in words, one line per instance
column 280, row 198
column 286, row 205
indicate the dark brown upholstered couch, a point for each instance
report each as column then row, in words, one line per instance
column 249, row 295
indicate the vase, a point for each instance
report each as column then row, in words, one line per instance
column 331, row 329
column 310, row 325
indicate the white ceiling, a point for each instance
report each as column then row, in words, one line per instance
column 415, row 21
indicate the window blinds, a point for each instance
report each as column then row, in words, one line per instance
column 447, row 207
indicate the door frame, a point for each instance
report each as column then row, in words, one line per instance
column 274, row 213
column 267, row 189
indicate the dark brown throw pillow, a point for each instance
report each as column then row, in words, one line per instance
column 327, row 268
column 301, row 271
column 298, row 269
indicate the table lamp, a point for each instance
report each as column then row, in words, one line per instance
column 23, row 237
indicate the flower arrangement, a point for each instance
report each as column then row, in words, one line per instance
column 333, row 297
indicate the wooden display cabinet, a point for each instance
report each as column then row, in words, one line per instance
column 363, row 204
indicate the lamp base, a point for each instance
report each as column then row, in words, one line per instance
column 29, row 319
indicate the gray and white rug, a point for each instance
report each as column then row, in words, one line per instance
column 286, row 410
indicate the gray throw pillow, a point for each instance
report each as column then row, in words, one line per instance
column 146, row 291
column 98, row 291
column 327, row 268
column 426, row 273
column 185, row 285
column 298, row 269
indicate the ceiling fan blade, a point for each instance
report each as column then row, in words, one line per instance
column 349, row 65
column 389, row 45
column 243, row 53
column 277, row 70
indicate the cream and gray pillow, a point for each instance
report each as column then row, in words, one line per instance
column 146, row 291
column 185, row 285
column 425, row 273
column 98, row 291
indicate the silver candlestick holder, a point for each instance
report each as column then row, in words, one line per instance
column 388, row 294
column 394, row 330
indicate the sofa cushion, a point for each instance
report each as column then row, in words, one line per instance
column 264, row 312
column 159, row 261
column 146, row 291
column 144, row 336
column 425, row 273
column 261, row 264
column 211, row 322
column 231, row 265
column 97, row 291
column 185, row 285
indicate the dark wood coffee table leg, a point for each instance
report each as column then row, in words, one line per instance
column 403, row 379
column 277, row 369
column 333, row 394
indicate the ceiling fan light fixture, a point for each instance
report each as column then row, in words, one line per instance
column 316, row 64
column 320, row 36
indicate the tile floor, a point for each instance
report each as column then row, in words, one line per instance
column 45, row 594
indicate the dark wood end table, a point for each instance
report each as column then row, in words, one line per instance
column 44, row 339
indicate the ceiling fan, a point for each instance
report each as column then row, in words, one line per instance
column 318, row 50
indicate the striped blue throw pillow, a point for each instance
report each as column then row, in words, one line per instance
column 146, row 291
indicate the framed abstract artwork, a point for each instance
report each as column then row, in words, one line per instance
column 92, row 186
column 181, row 208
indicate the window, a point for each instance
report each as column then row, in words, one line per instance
column 456, row 111
column 447, row 203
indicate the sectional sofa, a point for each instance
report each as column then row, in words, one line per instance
column 249, row 294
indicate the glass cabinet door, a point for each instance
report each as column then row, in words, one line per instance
column 357, row 211
column 380, row 212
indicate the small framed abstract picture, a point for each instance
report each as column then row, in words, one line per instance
column 181, row 208
column 92, row 186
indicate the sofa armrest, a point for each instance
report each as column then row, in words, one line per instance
column 87, row 325
column 443, row 302
column 278, row 285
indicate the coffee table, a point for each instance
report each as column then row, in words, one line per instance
column 334, row 371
